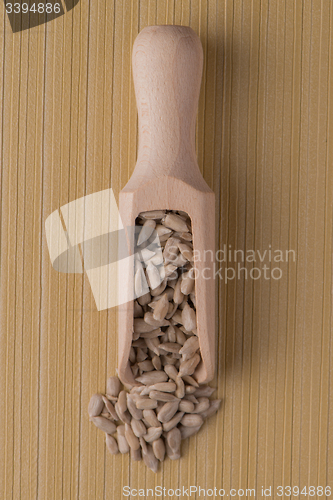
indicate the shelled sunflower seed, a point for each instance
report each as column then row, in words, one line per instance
column 150, row 419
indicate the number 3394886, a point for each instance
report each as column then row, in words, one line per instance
column 16, row 8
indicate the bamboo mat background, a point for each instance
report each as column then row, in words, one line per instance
column 264, row 141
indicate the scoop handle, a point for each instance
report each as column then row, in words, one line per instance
column 167, row 69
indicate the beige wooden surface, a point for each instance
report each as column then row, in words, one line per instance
column 264, row 142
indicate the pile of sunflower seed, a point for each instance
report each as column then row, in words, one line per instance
column 150, row 419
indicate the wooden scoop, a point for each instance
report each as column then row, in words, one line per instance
column 167, row 68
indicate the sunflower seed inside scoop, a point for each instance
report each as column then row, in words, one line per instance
column 146, row 231
column 171, row 250
column 140, row 283
column 188, row 367
column 161, row 308
column 146, row 366
column 186, row 251
column 171, row 371
column 189, row 318
column 155, row 292
column 178, row 296
column 154, row 278
column 187, row 283
column 175, row 222
column 138, row 311
column 141, row 326
column 191, row 345
column 144, row 299
column 153, row 214
column 150, row 419
column 150, row 319
column 190, row 380
column 186, row 406
column 162, row 231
